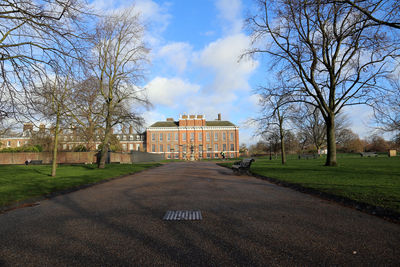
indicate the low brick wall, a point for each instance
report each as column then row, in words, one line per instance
column 47, row 157
column 77, row 157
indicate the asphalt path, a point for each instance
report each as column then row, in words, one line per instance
column 246, row 222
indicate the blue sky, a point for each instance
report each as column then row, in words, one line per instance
column 195, row 69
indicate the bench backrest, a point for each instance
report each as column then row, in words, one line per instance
column 246, row 162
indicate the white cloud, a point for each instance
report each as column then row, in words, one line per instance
column 223, row 58
column 169, row 92
column 360, row 117
column 230, row 13
column 152, row 116
column 176, row 55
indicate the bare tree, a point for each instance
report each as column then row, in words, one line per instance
column 330, row 55
column 276, row 111
column 311, row 125
column 87, row 111
column 32, row 35
column 382, row 12
column 118, row 67
column 387, row 107
column 51, row 100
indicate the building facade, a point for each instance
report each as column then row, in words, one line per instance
column 193, row 137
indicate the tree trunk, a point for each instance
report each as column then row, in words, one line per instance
column 282, row 137
column 104, row 151
column 331, row 141
column 106, row 144
column 55, row 148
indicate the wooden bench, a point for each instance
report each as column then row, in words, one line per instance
column 308, row 156
column 368, row 154
column 242, row 166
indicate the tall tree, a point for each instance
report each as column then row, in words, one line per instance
column 32, row 35
column 382, row 12
column 331, row 56
column 276, row 111
column 120, row 55
column 51, row 100
column 87, row 111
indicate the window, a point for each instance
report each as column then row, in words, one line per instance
column 161, row 148
column 231, row 137
column 130, row 146
column 137, row 137
column 18, row 143
column 153, row 148
column 223, row 147
column 118, row 137
column 123, row 146
column 215, row 147
column 215, row 136
column 97, row 146
column 184, row 149
column 161, row 136
column 25, row 142
column 232, row 147
column 168, row 148
column 169, row 136
column 200, row 137
column 208, row 155
column 232, row 155
column 191, row 136
column 169, row 156
column 176, row 136
column 137, row 147
column 183, row 136
column 207, row 136
column 216, row 155
column 208, row 147
column 176, row 148
column 65, row 146
column 224, row 136
column 176, row 155
column 153, row 137
column 131, row 137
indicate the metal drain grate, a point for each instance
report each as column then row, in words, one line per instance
column 182, row 215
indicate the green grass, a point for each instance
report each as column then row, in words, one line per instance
column 20, row 182
column 374, row 181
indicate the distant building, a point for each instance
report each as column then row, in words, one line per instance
column 192, row 136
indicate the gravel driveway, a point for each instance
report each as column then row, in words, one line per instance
column 246, row 221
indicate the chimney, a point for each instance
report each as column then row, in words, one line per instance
column 170, row 119
column 42, row 127
column 123, row 129
column 28, row 127
column 219, row 116
column 130, row 129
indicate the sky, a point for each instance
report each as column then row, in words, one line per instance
column 195, row 63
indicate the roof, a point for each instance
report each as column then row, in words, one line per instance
column 219, row 123
column 176, row 123
column 165, row 124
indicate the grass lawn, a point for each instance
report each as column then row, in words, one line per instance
column 373, row 181
column 19, row 182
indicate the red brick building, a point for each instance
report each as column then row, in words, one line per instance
column 192, row 137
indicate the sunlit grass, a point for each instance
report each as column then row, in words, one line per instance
column 19, row 182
